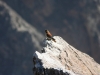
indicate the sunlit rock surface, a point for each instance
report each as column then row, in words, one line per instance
column 60, row 58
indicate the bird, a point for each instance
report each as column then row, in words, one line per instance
column 49, row 35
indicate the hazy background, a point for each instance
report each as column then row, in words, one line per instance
column 22, row 25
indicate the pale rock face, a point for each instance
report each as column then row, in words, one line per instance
column 60, row 55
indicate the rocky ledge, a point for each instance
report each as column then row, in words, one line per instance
column 60, row 58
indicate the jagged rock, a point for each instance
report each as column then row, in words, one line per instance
column 60, row 58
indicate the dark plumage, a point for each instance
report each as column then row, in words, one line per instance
column 49, row 35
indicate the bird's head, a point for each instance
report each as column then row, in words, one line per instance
column 46, row 31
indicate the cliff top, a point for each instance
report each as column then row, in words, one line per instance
column 61, row 56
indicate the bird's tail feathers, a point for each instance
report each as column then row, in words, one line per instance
column 53, row 39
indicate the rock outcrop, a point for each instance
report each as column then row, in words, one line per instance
column 60, row 58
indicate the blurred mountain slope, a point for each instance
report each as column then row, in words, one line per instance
column 18, row 41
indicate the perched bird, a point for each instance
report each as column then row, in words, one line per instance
column 49, row 35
